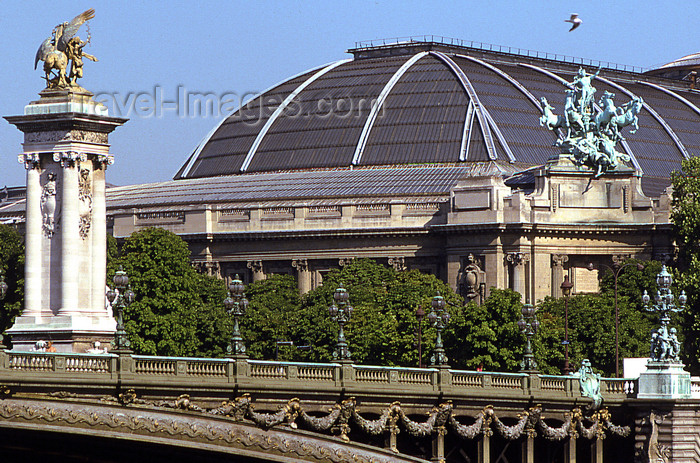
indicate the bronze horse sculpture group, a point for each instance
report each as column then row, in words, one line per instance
column 590, row 132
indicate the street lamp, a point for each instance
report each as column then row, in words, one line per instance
column 439, row 317
column 341, row 311
column 616, row 269
column 529, row 325
column 120, row 297
column 3, row 293
column 236, row 304
column 420, row 313
column 664, row 343
column 566, row 291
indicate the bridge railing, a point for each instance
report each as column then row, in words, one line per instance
column 135, row 370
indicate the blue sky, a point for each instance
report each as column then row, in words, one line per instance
column 161, row 49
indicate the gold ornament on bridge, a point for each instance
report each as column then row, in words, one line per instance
column 62, row 48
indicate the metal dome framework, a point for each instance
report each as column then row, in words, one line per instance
column 432, row 103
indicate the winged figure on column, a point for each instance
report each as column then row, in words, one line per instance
column 62, row 48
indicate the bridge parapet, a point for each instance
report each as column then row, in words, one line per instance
column 309, row 378
column 203, row 385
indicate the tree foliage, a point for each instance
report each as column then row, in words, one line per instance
column 12, row 266
column 178, row 311
column 685, row 216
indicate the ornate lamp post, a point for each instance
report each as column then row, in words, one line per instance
column 439, row 317
column 420, row 313
column 120, row 297
column 529, row 325
column 566, row 291
column 341, row 312
column 616, row 269
column 236, row 305
column 664, row 343
column 3, row 293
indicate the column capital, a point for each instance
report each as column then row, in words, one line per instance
column 302, row 265
column 517, row 258
column 103, row 160
column 399, row 263
column 69, row 158
column 558, row 260
column 255, row 265
column 30, row 160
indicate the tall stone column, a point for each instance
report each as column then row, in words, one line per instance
column 69, row 232
column 33, row 236
column 518, row 262
column 65, row 145
column 98, row 235
column 303, row 275
column 558, row 261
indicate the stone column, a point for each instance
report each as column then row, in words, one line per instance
column 558, row 261
column 597, row 450
column 256, row 266
column 33, row 237
column 69, row 232
column 439, row 444
column 303, row 275
column 528, row 449
column 98, row 234
column 484, row 449
column 570, row 449
column 518, row 260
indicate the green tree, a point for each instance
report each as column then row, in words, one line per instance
column 591, row 329
column 178, row 311
column 274, row 306
column 383, row 325
column 685, row 216
column 12, row 267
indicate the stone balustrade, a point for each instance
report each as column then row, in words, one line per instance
column 249, row 375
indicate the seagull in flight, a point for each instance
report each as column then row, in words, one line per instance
column 574, row 20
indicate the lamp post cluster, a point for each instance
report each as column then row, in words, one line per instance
column 529, row 325
column 439, row 317
column 566, row 287
column 120, row 297
column 236, row 305
column 664, row 343
column 616, row 269
column 341, row 312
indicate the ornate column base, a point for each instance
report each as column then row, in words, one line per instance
column 664, row 380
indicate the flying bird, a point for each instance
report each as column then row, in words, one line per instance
column 574, row 20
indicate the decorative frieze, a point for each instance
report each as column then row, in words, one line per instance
column 324, row 211
column 277, row 211
column 53, row 136
column 161, row 216
column 48, row 205
column 372, row 208
column 85, row 206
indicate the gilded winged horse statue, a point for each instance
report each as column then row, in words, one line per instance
column 62, row 47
